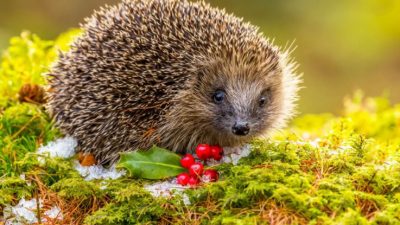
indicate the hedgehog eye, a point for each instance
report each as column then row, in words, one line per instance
column 264, row 97
column 262, row 101
column 219, row 96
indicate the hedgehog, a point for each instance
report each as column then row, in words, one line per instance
column 170, row 73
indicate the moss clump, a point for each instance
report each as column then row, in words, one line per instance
column 323, row 169
column 13, row 187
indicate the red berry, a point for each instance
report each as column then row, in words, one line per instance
column 193, row 181
column 210, row 175
column 216, row 152
column 196, row 169
column 187, row 161
column 183, row 179
column 203, row 151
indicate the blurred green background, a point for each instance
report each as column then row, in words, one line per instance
column 342, row 45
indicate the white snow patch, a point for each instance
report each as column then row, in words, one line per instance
column 23, row 213
column 186, row 199
column 306, row 135
column 165, row 188
column 23, row 177
column 232, row 155
column 98, row 172
column 63, row 148
column 103, row 185
column 313, row 143
column 54, row 213
column 168, row 189
column 387, row 164
column 245, row 151
column 340, row 150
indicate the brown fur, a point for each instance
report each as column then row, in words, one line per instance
column 144, row 73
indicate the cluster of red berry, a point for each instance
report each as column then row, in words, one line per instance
column 196, row 173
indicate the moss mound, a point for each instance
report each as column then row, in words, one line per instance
column 323, row 169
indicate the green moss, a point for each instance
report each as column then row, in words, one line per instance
column 132, row 205
column 23, row 128
column 11, row 188
column 76, row 188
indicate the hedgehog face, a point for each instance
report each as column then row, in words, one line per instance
column 241, row 115
column 239, row 102
column 243, row 110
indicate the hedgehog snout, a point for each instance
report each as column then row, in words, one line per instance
column 241, row 128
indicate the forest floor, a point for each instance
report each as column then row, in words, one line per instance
column 322, row 169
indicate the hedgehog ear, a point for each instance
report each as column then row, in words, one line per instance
column 203, row 69
column 200, row 76
column 205, row 66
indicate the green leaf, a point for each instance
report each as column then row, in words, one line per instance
column 156, row 163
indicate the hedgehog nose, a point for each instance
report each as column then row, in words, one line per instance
column 241, row 128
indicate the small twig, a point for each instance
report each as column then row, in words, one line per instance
column 38, row 207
